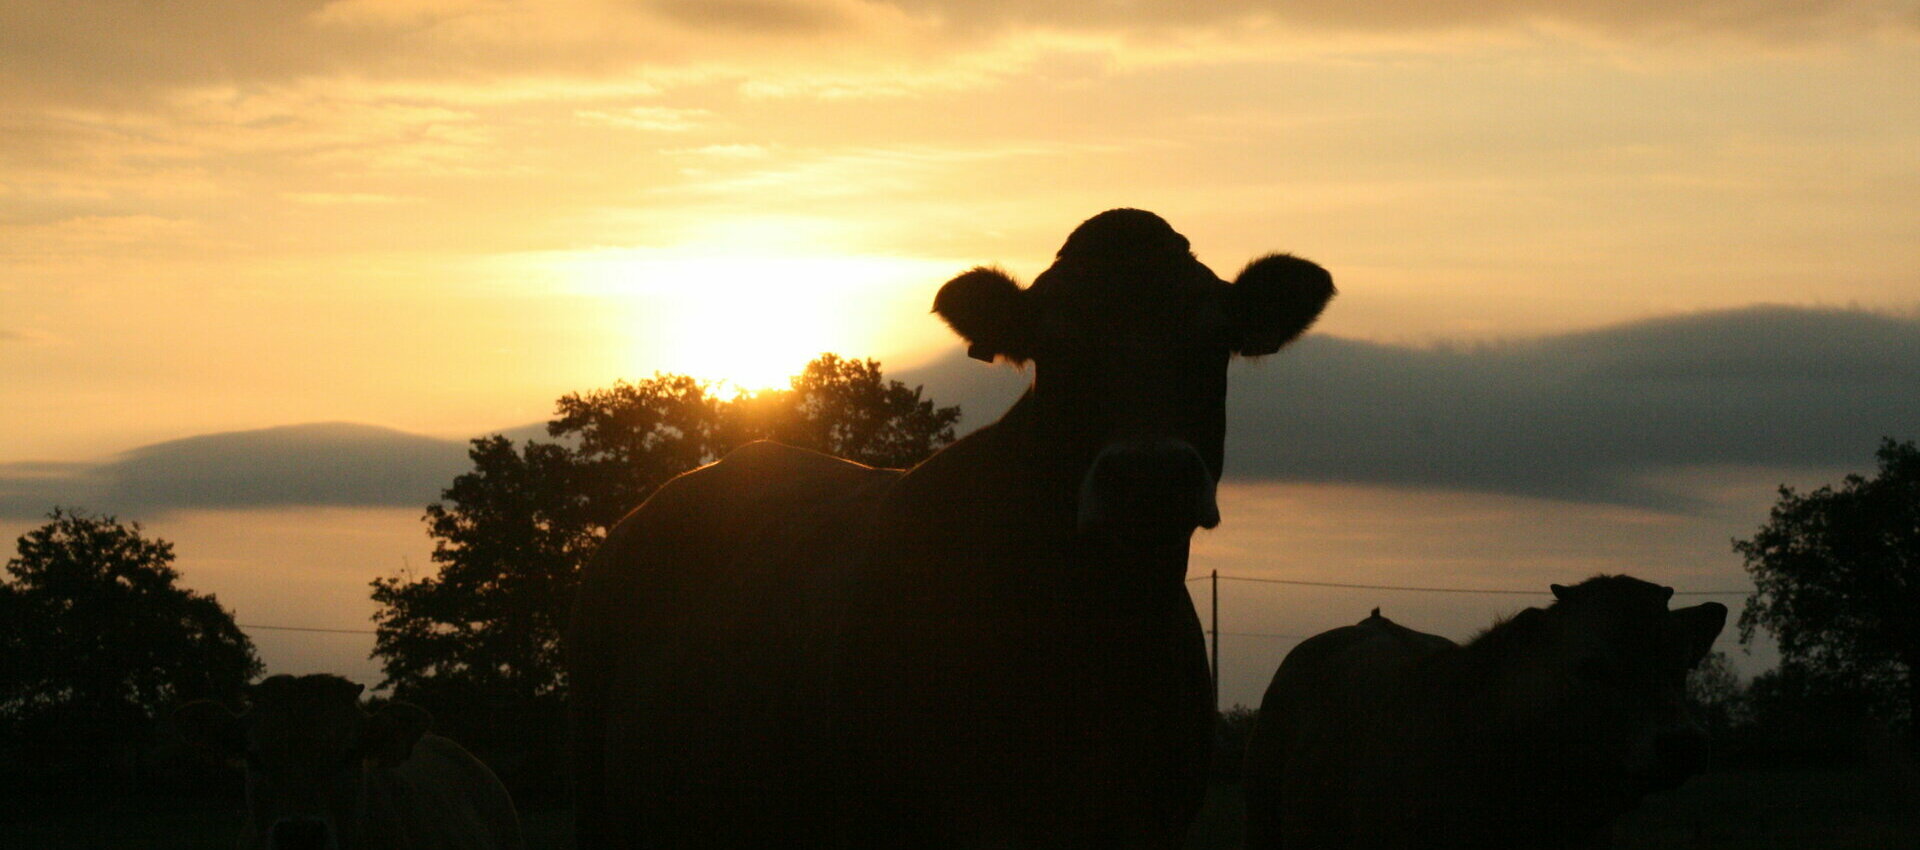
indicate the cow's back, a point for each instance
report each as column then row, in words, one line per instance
column 441, row 797
column 1327, row 714
column 698, row 652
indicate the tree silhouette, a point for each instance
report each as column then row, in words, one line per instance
column 99, row 641
column 845, row 408
column 1838, row 576
column 1715, row 694
column 479, row 639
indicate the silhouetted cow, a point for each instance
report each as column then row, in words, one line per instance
column 1534, row 735
column 993, row 648
column 322, row 774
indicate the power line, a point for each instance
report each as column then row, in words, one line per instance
column 1438, row 589
column 1724, row 638
column 307, row 629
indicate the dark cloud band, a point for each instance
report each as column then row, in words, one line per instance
column 1582, row 417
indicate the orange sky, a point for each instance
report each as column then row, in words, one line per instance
column 439, row 215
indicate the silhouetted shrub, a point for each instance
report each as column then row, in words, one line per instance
column 1230, row 732
column 96, row 642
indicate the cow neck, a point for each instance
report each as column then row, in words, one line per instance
column 1019, row 479
column 1462, row 689
column 1019, row 461
column 1483, row 680
column 1055, row 448
column 1051, row 438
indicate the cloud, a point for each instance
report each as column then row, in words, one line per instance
column 118, row 53
column 781, row 17
column 658, row 119
column 341, row 198
column 1592, row 417
column 1783, row 19
column 124, row 53
column 1588, row 416
column 337, row 464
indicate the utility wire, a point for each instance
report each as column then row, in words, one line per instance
column 1298, row 582
column 1438, row 589
column 307, row 629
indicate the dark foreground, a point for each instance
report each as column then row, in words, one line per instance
column 1749, row 810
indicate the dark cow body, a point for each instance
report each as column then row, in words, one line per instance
column 994, row 648
column 1534, row 735
column 323, row 774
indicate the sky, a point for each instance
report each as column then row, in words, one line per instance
column 1610, row 272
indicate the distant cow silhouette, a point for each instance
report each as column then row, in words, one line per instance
column 1534, row 735
column 322, row 774
column 994, row 648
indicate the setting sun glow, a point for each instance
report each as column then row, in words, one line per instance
column 1609, row 272
column 749, row 321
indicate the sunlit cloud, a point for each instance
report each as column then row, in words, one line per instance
column 130, row 236
column 336, row 198
column 725, row 151
column 658, row 119
column 122, row 54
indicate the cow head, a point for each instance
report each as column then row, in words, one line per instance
column 1608, row 677
column 307, row 747
column 1130, row 337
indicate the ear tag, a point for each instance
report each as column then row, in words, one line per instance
column 980, row 352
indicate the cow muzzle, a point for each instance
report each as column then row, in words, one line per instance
column 1150, row 490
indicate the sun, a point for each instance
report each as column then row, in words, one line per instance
column 752, row 321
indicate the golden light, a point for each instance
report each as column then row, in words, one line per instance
column 752, row 318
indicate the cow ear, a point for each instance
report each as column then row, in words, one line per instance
column 209, row 728
column 1274, row 300
column 990, row 311
column 1698, row 627
column 390, row 733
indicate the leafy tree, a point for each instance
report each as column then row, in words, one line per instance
column 1799, row 716
column 99, row 641
column 632, row 438
column 480, row 637
column 1716, row 694
column 845, row 408
column 1838, row 576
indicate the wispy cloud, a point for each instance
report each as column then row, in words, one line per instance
column 121, row 53
column 658, row 119
column 342, row 198
column 1771, row 19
